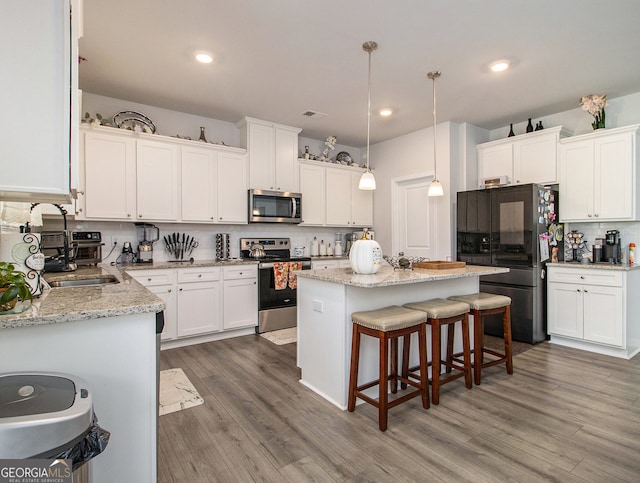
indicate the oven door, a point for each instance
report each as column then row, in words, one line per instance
column 268, row 296
column 274, row 207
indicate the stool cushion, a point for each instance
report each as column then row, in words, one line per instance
column 440, row 308
column 483, row 301
column 388, row 318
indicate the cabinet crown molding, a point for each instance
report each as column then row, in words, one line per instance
column 601, row 133
column 559, row 130
column 247, row 120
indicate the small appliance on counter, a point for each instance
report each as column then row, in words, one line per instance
column 126, row 257
column 611, row 250
column 88, row 247
column 148, row 234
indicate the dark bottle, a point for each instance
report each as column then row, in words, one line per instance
column 539, row 126
column 510, row 131
column 529, row 126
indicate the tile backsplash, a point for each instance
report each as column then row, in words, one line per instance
column 629, row 233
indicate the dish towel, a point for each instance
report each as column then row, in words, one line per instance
column 293, row 278
column 280, row 275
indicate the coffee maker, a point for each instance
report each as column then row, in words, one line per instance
column 148, row 234
column 611, row 249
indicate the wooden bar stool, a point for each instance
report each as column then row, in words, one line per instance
column 387, row 324
column 442, row 312
column 483, row 304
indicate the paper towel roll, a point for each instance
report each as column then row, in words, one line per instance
column 23, row 251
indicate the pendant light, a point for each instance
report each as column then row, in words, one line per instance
column 435, row 188
column 367, row 180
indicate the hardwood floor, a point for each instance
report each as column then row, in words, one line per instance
column 564, row 415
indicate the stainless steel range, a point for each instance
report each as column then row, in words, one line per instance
column 277, row 283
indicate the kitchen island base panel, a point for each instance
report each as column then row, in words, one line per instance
column 325, row 329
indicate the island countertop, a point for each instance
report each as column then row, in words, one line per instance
column 387, row 276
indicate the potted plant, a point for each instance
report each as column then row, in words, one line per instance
column 13, row 284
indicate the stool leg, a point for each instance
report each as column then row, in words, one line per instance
column 394, row 365
column 450, row 336
column 478, row 331
column 435, row 360
column 506, row 322
column 466, row 349
column 406, row 349
column 353, row 376
column 383, row 383
column 422, row 354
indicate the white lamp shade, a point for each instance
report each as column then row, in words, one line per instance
column 367, row 181
column 435, row 188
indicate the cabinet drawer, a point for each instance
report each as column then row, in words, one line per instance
column 610, row 278
column 149, row 278
column 198, row 274
column 241, row 271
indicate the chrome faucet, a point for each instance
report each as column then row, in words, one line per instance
column 69, row 264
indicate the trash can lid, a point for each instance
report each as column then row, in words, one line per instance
column 42, row 411
column 25, row 394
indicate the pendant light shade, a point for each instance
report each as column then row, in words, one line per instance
column 435, row 188
column 367, row 180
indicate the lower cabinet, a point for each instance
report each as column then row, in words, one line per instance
column 204, row 300
column 333, row 263
column 592, row 309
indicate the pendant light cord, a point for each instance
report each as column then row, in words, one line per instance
column 433, row 76
column 368, row 110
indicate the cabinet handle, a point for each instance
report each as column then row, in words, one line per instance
column 254, row 283
column 597, row 215
column 79, row 210
column 148, row 280
column 212, row 217
column 128, row 215
column 589, row 215
column 577, row 290
column 169, row 291
column 220, row 218
column 180, row 290
column 199, row 275
column 517, row 181
column 586, row 291
column 581, row 277
column 139, row 216
column 80, row 192
column 240, row 273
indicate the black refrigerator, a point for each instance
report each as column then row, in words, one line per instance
column 507, row 227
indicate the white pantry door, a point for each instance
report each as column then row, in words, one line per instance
column 413, row 217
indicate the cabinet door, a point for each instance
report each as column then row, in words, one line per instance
column 36, row 45
column 240, row 303
column 157, row 180
column 576, row 181
column 313, row 189
column 232, row 188
column 338, row 199
column 286, row 160
column 495, row 161
column 167, row 294
column 109, row 176
column 535, row 160
column 325, row 264
column 199, row 184
column 614, row 181
column 261, row 156
column 361, row 203
column 199, row 309
column 565, row 310
column 603, row 318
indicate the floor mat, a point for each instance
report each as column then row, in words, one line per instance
column 177, row 392
column 282, row 337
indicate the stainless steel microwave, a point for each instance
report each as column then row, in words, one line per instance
column 274, row 207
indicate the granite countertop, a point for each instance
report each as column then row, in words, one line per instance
column 387, row 276
column 594, row 266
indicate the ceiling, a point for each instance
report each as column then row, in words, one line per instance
column 276, row 59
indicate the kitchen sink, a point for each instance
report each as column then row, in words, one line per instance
column 85, row 282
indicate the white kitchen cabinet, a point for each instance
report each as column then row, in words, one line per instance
column 240, row 299
column 320, row 264
column 199, row 303
column 361, row 203
column 527, row 158
column 273, row 153
column 314, row 192
column 593, row 309
column 157, row 165
column 109, row 168
column 163, row 284
column 38, row 120
column 598, row 176
column 347, row 205
column 232, row 187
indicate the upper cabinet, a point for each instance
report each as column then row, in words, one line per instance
column 38, row 120
column 144, row 177
column 598, row 176
column 273, row 153
column 527, row 158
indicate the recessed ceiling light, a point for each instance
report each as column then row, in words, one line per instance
column 385, row 112
column 499, row 65
column 204, row 57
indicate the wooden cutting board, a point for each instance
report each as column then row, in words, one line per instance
column 440, row 265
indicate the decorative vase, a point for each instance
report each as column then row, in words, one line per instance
column 598, row 122
column 511, row 133
column 539, row 126
column 529, row 126
column 202, row 136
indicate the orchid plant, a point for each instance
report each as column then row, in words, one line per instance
column 594, row 105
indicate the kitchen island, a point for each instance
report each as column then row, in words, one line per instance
column 326, row 300
column 105, row 334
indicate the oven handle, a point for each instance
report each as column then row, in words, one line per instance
column 306, row 265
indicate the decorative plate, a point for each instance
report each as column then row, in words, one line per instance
column 344, row 157
column 131, row 119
